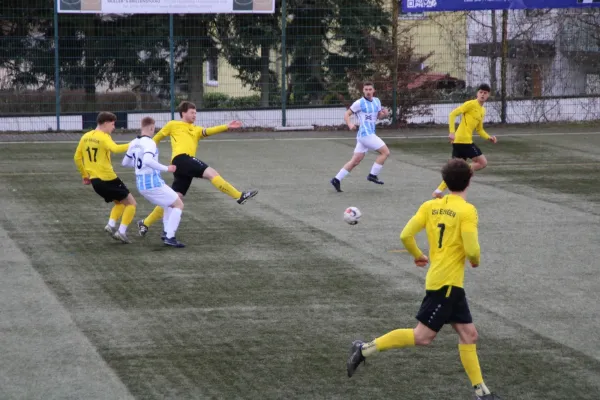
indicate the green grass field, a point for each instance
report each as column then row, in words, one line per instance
column 266, row 298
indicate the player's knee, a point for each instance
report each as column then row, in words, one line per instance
column 384, row 151
column 423, row 340
column 210, row 174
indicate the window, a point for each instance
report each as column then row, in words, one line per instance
column 212, row 71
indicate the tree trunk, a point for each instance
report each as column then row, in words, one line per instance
column 264, row 75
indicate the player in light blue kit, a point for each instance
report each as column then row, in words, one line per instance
column 142, row 155
column 368, row 110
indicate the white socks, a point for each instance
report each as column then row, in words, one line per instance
column 173, row 223
column 166, row 214
column 342, row 174
column 376, row 169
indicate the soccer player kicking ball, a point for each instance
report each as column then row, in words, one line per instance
column 184, row 143
column 142, row 155
column 368, row 110
column 92, row 158
column 463, row 147
column 451, row 226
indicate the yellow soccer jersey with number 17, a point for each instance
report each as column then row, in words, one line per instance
column 451, row 226
column 92, row 156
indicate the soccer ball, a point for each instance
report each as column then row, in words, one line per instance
column 352, row 215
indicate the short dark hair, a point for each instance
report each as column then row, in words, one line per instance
column 184, row 106
column 485, row 87
column 368, row 84
column 147, row 121
column 105, row 116
column 457, row 174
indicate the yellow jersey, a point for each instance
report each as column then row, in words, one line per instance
column 92, row 156
column 473, row 114
column 185, row 137
column 451, row 226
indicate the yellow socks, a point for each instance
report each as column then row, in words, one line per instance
column 225, row 187
column 128, row 215
column 154, row 216
column 393, row 340
column 115, row 214
column 468, row 357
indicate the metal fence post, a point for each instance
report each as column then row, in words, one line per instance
column 56, row 67
column 283, row 61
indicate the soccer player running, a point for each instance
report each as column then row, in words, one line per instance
column 451, row 226
column 463, row 147
column 184, row 143
column 92, row 158
column 368, row 110
column 142, row 155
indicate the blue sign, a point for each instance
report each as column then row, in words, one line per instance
column 413, row 6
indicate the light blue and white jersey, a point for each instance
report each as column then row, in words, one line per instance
column 146, row 177
column 366, row 111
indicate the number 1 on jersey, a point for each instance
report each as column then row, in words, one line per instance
column 442, row 229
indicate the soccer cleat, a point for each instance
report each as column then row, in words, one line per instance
column 142, row 229
column 437, row 194
column 490, row 396
column 374, row 179
column 173, row 242
column 355, row 357
column 122, row 237
column 247, row 195
column 336, row 184
column 110, row 230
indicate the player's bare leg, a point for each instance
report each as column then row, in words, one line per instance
column 128, row 214
column 213, row 176
column 348, row 167
column 384, row 153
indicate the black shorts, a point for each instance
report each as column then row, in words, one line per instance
column 444, row 306
column 188, row 168
column 114, row 190
column 465, row 151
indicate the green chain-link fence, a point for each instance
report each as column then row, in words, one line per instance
column 300, row 66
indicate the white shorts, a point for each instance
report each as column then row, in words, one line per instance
column 162, row 196
column 369, row 142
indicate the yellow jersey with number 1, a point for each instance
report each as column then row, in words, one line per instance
column 451, row 226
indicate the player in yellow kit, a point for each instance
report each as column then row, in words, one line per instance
column 92, row 158
column 451, row 226
column 473, row 113
column 184, row 137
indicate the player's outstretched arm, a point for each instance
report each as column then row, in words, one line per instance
column 149, row 161
column 483, row 133
column 407, row 236
column 470, row 237
column 163, row 133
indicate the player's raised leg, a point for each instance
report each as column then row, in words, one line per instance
column 128, row 214
column 357, row 157
column 217, row 180
column 396, row 339
column 115, row 214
